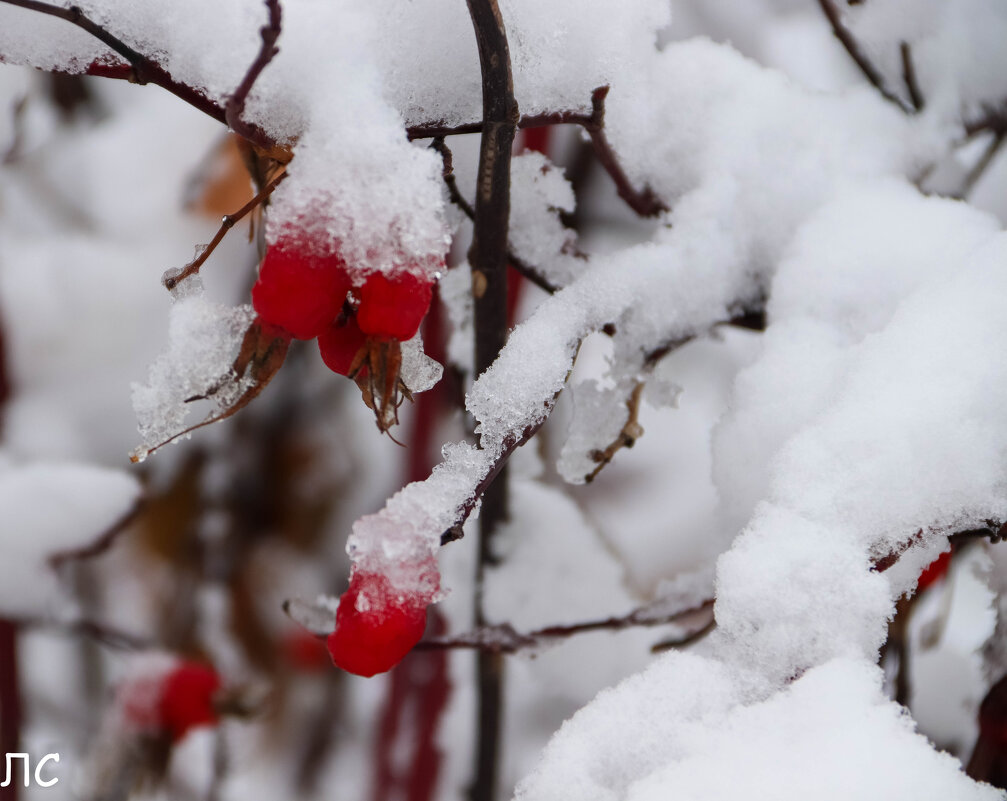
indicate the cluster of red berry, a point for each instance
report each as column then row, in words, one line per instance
column 308, row 295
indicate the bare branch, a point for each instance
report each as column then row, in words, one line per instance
column 101, row 543
column 99, row 632
column 849, row 41
column 503, row 638
column 533, row 274
column 981, row 166
column 235, row 107
column 173, row 278
column 909, row 77
column 630, row 432
column 643, row 201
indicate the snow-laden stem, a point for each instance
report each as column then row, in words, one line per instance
column 488, row 258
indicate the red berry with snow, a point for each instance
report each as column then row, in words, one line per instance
column 934, row 571
column 340, row 344
column 187, row 699
column 375, row 626
column 392, row 307
column 299, row 291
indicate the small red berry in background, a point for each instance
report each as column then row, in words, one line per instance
column 299, row 291
column 166, row 698
column 340, row 344
column 392, row 307
column 376, row 626
column 935, row 571
column 187, row 699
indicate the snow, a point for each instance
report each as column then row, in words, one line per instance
column 203, row 341
column 864, row 423
column 50, row 508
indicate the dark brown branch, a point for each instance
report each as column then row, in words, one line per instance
column 173, row 278
column 143, row 68
column 643, row 201
column 488, row 258
column 437, row 130
column 235, row 108
column 909, row 77
column 502, row 638
column 852, row 46
column 531, row 273
column 981, row 166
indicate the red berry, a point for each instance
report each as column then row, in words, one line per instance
column 298, row 291
column 392, row 307
column 339, row 345
column 187, row 699
column 934, row 571
column 375, row 626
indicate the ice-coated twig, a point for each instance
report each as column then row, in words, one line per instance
column 143, row 69
column 533, row 274
column 172, row 279
column 235, row 107
column 853, row 48
column 503, row 638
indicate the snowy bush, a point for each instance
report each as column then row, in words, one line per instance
column 661, row 451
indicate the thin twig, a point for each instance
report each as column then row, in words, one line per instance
column 533, row 274
column 909, row 77
column 102, row 633
column 101, row 543
column 849, row 41
column 630, row 432
column 503, row 638
column 143, row 68
column 437, row 130
column 643, row 201
column 235, row 108
column 173, row 278
column 981, row 166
